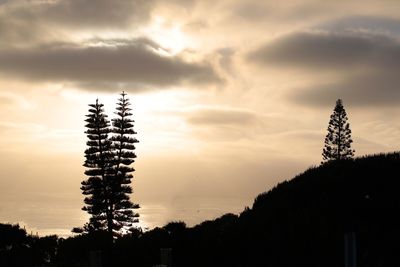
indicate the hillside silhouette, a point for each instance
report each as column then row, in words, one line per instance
column 303, row 221
column 300, row 222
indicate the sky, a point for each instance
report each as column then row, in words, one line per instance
column 229, row 97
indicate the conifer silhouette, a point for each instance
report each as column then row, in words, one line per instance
column 123, row 149
column 98, row 163
column 109, row 155
column 338, row 140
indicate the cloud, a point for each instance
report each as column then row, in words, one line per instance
column 229, row 124
column 364, row 64
column 221, row 124
column 27, row 23
column 101, row 13
column 134, row 61
column 377, row 24
column 284, row 12
column 364, row 90
column 322, row 50
column 79, row 13
column 226, row 59
column 219, row 116
column 107, row 86
column 250, row 10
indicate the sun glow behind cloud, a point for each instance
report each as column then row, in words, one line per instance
column 169, row 36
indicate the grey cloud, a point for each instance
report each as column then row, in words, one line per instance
column 134, row 62
column 225, row 123
column 187, row 4
column 15, row 31
column 369, row 89
column 38, row 20
column 251, row 10
column 111, row 86
column 226, row 59
column 26, row 23
column 329, row 51
column 365, row 64
column 214, row 116
column 80, row 13
column 369, row 23
column 99, row 13
column 259, row 11
column 216, row 124
column 220, row 117
column 284, row 12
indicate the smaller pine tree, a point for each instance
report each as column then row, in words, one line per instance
column 338, row 140
column 98, row 164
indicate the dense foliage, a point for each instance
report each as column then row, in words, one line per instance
column 109, row 155
column 18, row 249
column 338, row 139
column 98, row 163
column 123, row 146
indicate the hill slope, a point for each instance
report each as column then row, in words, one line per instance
column 303, row 221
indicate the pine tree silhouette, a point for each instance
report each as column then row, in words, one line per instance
column 338, row 140
column 99, row 162
column 123, row 149
column 109, row 155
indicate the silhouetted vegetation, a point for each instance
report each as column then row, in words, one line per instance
column 338, row 139
column 18, row 249
column 108, row 159
column 123, row 146
column 301, row 222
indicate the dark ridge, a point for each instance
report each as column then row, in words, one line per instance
column 304, row 220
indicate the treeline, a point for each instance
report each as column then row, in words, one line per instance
column 19, row 249
column 301, row 222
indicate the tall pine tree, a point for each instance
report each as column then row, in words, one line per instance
column 109, row 155
column 338, row 140
column 123, row 144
